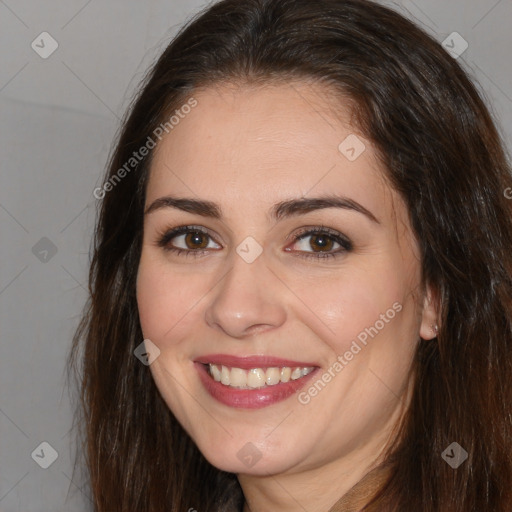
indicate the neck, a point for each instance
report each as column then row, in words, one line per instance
column 316, row 489
column 345, row 484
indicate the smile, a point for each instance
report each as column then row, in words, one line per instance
column 254, row 378
column 252, row 382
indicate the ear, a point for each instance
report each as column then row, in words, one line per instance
column 429, row 327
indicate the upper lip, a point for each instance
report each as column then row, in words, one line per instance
column 248, row 362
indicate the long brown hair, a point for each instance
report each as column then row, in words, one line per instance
column 441, row 151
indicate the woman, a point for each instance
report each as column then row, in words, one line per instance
column 301, row 292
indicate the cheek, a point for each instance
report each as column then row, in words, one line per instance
column 351, row 304
column 165, row 299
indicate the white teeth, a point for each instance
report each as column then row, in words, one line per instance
column 285, row 374
column 297, row 372
column 272, row 376
column 215, row 372
column 256, row 377
column 238, row 378
column 225, row 376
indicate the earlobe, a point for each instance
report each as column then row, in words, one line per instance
column 429, row 328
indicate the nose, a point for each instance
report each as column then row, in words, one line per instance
column 247, row 300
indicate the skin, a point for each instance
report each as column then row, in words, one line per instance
column 247, row 148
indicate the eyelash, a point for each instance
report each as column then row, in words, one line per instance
column 346, row 245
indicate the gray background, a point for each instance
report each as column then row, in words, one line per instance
column 59, row 116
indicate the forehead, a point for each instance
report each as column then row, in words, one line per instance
column 252, row 146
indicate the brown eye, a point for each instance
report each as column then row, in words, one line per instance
column 186, row 240
column 324, row 243
column 196, row 240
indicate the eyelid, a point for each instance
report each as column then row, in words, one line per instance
column 318, row 229
column 338, row 237
column 164, row 236
column 167, row 235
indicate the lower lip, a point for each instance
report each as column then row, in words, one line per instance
column 250, row 398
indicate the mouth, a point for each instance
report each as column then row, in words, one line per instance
column 255, row 378
column 252, row 382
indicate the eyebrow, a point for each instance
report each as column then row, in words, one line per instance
column 279, row 211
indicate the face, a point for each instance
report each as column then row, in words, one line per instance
column 303, row 258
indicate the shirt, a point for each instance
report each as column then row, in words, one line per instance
column 361, row 493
